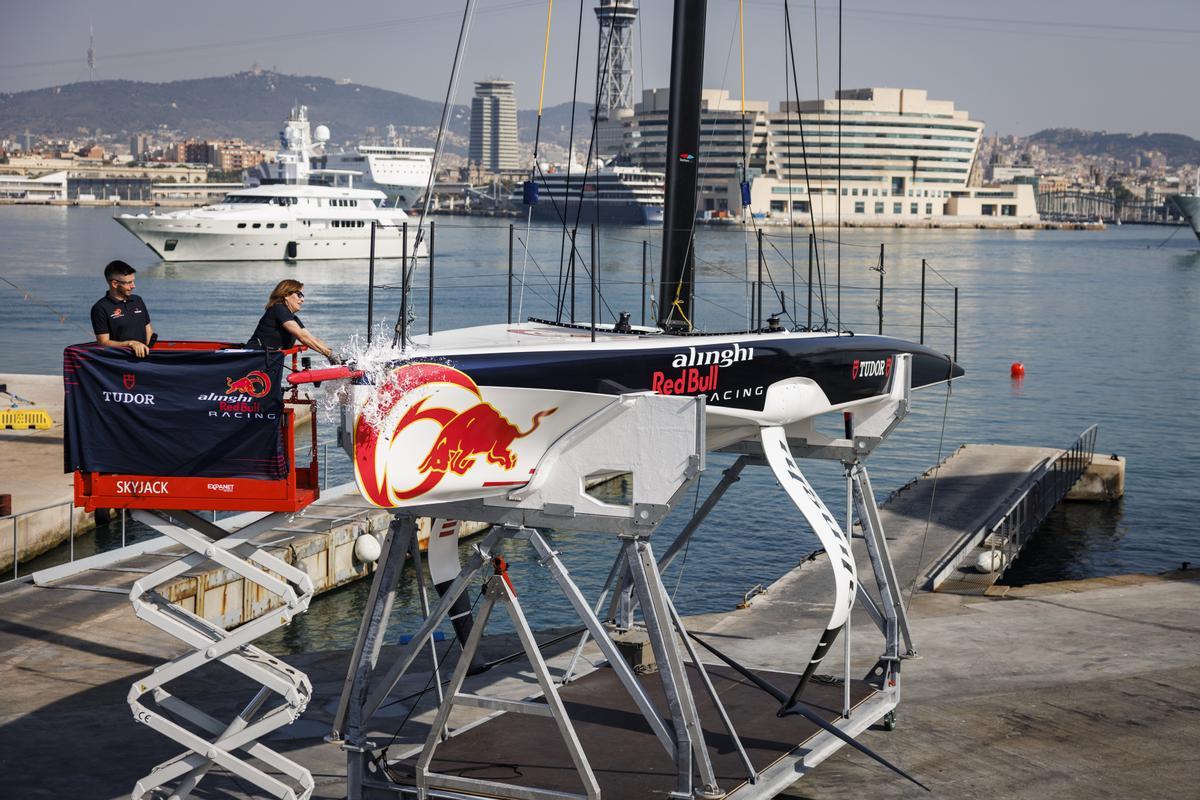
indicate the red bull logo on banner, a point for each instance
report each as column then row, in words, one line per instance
column 450, row 438
column 255, row 384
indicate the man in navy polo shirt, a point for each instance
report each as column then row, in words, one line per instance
column 120, row 318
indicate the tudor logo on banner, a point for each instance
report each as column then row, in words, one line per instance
column 129, row 380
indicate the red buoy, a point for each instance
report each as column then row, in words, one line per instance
column 1017, row 370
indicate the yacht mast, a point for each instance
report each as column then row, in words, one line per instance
column 683, row 161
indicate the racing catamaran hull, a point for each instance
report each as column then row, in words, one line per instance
column 469, row 413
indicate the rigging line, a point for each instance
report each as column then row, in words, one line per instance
column 537, row 138
column 742, row 58
column 587, row 164
column 747, row 213
column 602, row 70
column 745, row 145
column 933, row 491
column 463, row 32
column 545, row 277
column 839, row 166
column 562, row 244
column 788, row 125
column 817, row 76
column 587, row 272
column 1178, row 228
column 816, row 51
column 930, row 267
column 735, row 313
column 790, row 48
column 850, row 244
column 29, row 297
column 688, row 545
column 771, row 281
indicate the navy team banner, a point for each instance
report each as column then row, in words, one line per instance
column 209, row 413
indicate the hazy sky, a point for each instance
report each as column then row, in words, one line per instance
column 1019, row 65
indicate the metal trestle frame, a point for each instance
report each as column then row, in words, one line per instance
column 219, row 743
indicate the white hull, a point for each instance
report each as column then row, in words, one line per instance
column 1189, row 205
column 212, row 240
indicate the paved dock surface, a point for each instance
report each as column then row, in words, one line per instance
column 1081, row 689
column 31, row 462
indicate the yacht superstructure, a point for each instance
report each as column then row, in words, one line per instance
column 399, row 171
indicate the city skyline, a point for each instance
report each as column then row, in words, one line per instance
column 1020, row 68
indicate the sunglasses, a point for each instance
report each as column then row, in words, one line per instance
column 299, row 294
column 123, row 283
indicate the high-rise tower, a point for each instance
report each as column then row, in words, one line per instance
column 493, row 146
column 614, row 72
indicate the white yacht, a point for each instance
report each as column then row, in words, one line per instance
column 399, row 171
column 291, row 211
column 279, row 221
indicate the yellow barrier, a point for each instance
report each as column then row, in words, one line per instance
column 27, row 419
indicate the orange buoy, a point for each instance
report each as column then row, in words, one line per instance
column 1017, row 370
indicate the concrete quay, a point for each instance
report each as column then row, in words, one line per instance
column 31, row 470
column 1077, row 689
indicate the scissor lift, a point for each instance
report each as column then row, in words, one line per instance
column 209, row 742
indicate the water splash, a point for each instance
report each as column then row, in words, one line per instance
column 374, row 395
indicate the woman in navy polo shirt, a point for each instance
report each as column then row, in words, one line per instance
column 279, row 327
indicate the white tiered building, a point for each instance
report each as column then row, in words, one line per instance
column 905, row 159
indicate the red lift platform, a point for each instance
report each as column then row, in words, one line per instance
column 299, row 488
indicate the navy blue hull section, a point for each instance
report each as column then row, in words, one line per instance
column 731, row 375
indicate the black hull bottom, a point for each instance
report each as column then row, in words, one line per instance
column 615, row 214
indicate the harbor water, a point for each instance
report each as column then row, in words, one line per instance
column 1106, row 323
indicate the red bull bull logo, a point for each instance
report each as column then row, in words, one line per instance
column 255, row 384
column 479, row 431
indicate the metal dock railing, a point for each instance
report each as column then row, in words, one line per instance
column 1006, row 533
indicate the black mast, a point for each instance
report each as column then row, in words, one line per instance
column 683, row 160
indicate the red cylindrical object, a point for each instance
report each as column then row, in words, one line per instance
column 1017, row 370
column 339, row 372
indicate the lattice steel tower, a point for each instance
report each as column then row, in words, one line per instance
column 614, row 70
